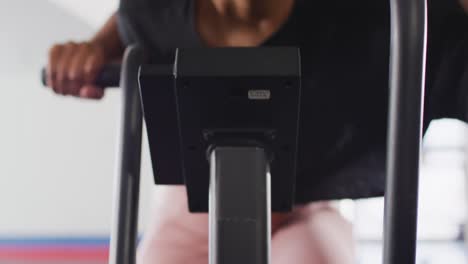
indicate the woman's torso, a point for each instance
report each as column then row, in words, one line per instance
column 344, row 55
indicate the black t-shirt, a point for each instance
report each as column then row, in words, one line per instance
column 345, row 64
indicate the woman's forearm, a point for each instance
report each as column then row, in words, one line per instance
column 464, row 4
column 108, row 37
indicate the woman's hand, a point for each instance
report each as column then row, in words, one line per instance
column 73, row 68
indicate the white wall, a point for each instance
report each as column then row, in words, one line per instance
column 92, row 12
column 442, row 188
column 56, row 154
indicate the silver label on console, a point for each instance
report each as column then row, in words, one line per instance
column 259, row 94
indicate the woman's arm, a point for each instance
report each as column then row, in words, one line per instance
column 73, row 66
column 464, row 4
column 109, row 38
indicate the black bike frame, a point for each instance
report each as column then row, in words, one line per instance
column 407, row 74
column 407, row 70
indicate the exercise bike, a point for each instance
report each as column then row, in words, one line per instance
column 224, row 122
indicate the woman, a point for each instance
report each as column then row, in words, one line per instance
column 344, row 53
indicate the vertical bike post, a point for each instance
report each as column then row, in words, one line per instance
column 239, row 206
column 127, row 178
column 407, row 74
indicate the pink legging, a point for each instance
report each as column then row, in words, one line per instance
column 311, row 234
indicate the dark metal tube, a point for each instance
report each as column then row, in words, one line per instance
column 240, row 207
column 127, row 181
column 407, row 74
column 108, row 77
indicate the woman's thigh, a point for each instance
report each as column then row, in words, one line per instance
column 316, row 234
column 176, row 236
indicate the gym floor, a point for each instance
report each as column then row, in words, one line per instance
column 440, row 252
column 54, row 250
column 95, row 252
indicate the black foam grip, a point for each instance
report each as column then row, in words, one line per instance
column 108, row 77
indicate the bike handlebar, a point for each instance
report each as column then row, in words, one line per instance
column 107, row 78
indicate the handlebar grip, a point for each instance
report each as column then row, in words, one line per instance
column 107, row 78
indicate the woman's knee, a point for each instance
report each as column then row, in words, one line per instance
column 316, row 233
column 178, row 236
column 174, row 235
